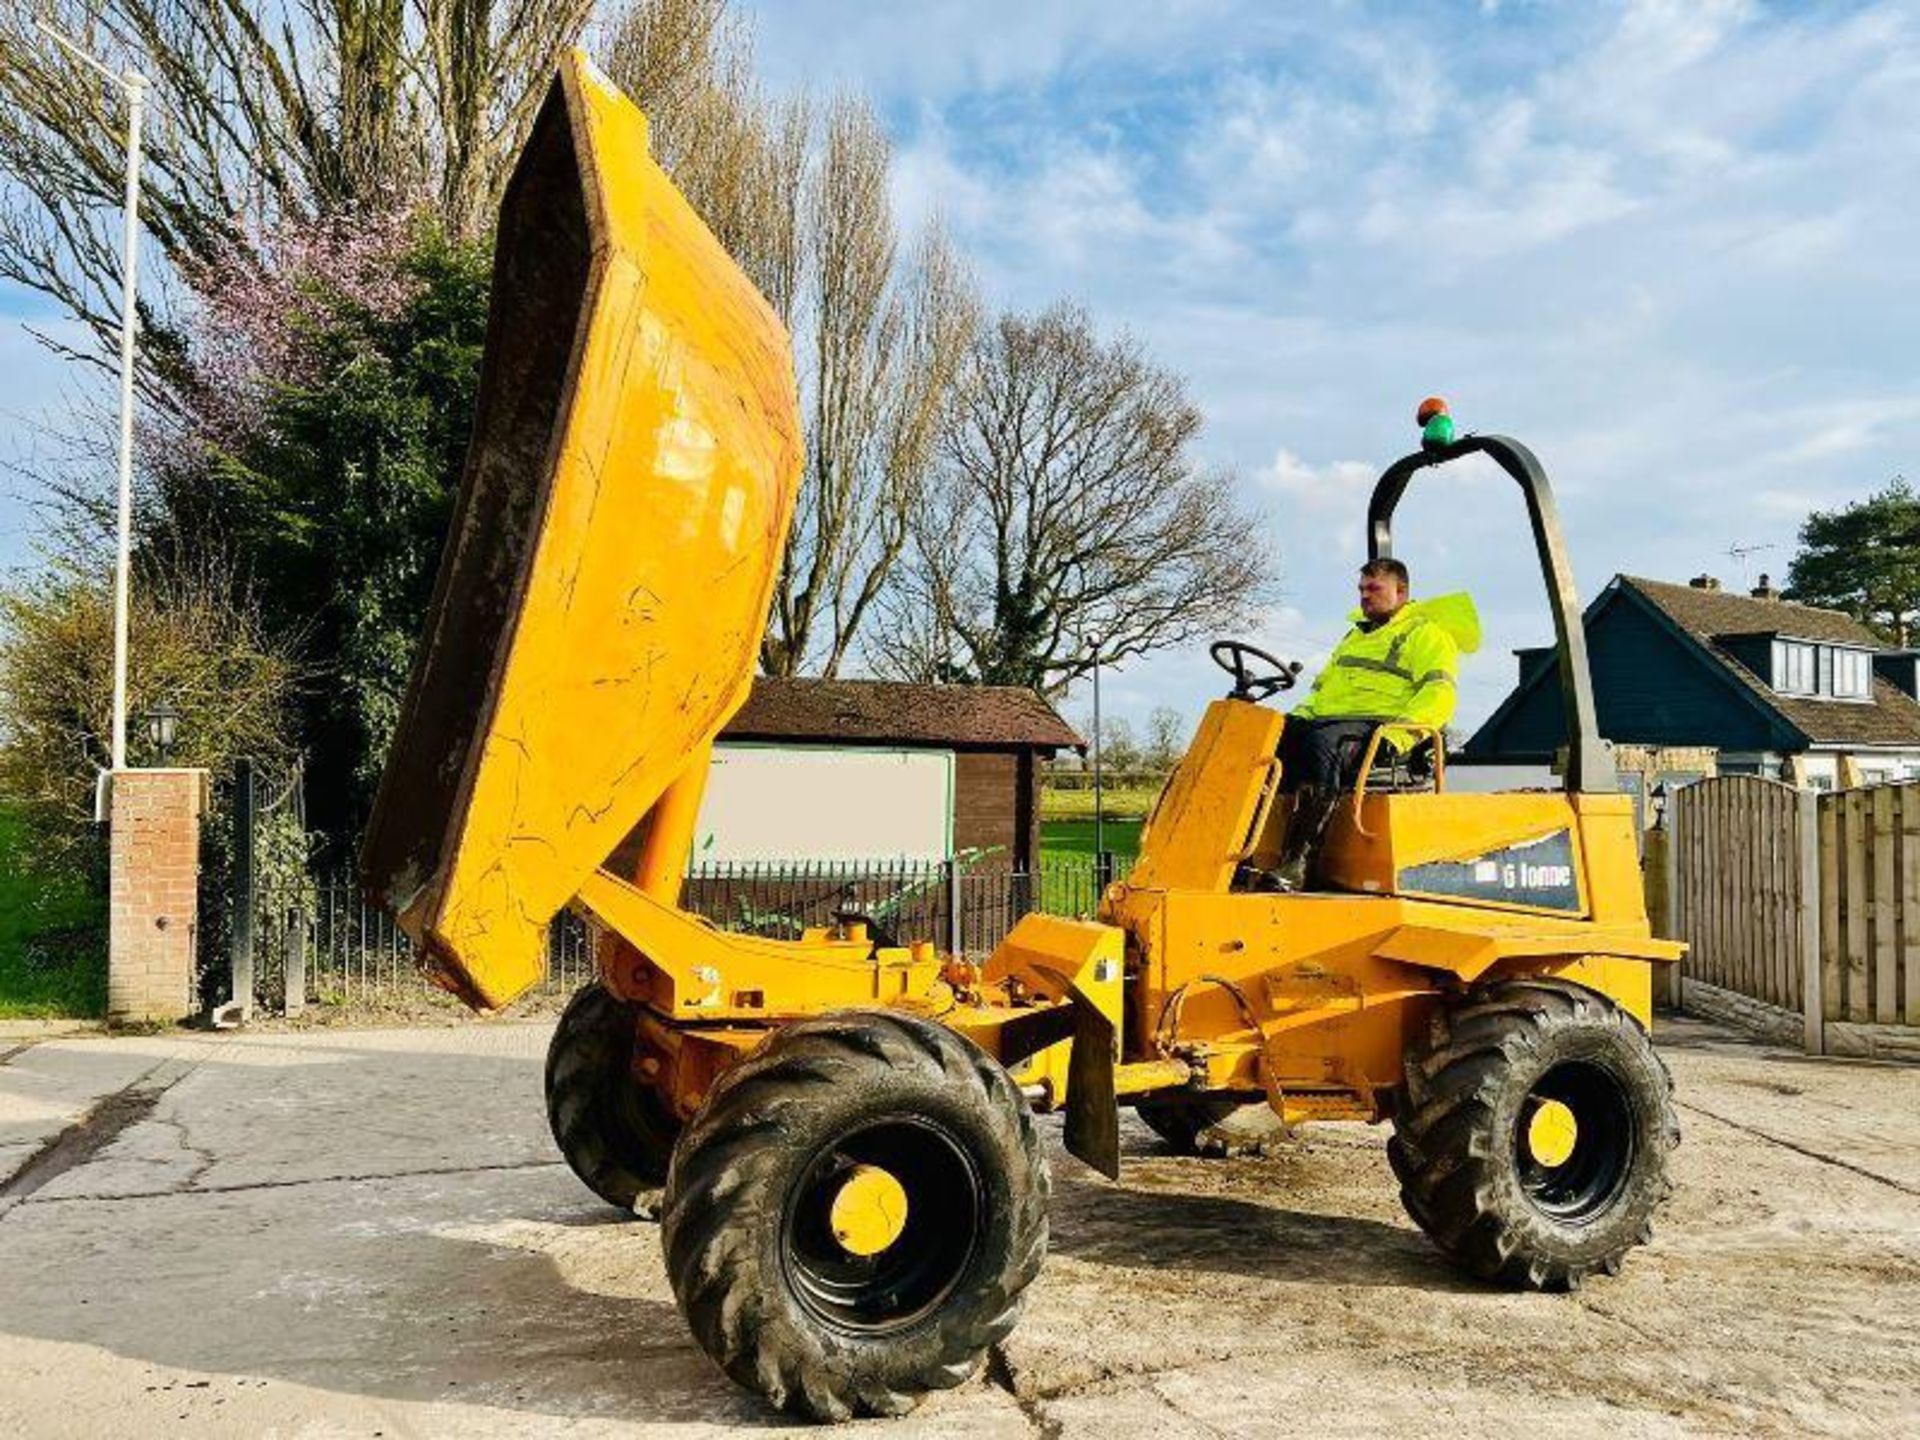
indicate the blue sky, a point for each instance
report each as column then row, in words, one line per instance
column 1669, row 245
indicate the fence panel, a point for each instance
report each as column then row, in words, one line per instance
column 1739, row 898
column 1870, row 866
column 1806, row 903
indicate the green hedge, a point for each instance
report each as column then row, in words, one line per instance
column 53, row 934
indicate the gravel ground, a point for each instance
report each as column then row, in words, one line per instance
column 367, row 1233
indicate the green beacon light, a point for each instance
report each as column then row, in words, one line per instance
column 1436, row 425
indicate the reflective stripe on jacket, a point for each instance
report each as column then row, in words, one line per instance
column 1406, row 669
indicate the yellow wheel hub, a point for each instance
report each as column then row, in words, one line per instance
column 1551, row 1133
column 869, row 1212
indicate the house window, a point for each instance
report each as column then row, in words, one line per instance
column 1800, row 668
column 1794, row 670
column 1852, row 674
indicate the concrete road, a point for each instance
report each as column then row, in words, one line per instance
column 367, row 1233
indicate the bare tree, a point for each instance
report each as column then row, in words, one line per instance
column 881, row 342
column 738, row 156
column 330, row 108
column 1166, row 735
column 1068, row 511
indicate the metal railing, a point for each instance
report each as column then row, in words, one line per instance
column 325, row 944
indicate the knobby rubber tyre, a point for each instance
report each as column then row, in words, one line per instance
column 1472, row 1177
column 828, row 1334
column 1213, row 1125
column 614, row 1132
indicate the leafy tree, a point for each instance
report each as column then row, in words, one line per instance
column 1864, row 559
column 324, row 453
column 195, row 641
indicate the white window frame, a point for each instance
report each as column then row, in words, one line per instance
column 1796, row 669
column 1857, row 667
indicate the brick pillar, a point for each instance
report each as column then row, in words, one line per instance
column 153, row 893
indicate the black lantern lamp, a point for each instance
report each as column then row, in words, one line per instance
column 163, row 723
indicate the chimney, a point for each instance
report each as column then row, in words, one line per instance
column 1704, row 582
column 1764, row 590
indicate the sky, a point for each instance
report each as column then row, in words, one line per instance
column 1669, row 245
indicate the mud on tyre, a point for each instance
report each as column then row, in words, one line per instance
column 615, row 1132
column 775, row 1283
column 1532, row 1146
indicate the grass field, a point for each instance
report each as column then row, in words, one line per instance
column 1131, row 802
column 52, row 961
column 1074, row 838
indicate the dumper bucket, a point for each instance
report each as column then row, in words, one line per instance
column 613, row 549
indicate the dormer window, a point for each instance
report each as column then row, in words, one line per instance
column 1803, row 668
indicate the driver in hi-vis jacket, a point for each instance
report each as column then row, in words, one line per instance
column 1399, row 662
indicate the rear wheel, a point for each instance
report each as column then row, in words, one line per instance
column 615, row 1132
column 1533, row 1145
column 853, row 1216
column 1213, row 1125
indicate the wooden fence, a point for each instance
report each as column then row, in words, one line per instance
column 1805, row 903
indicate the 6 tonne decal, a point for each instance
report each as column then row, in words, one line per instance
column 1538, row 873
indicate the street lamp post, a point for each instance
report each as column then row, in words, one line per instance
column 1099, row 809
column 134, row 86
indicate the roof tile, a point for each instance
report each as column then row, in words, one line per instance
column 1001, row 716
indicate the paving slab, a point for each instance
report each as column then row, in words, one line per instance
column 368, row 1233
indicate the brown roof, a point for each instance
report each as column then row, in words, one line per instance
column 871, row 711
column 1892, row 719
column 1707, row 613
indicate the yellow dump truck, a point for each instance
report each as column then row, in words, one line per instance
column 855, row 1186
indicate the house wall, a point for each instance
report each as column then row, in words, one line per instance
column 994, row 805
column 1821, row 772
column 1650, row 688
column 1877, row 767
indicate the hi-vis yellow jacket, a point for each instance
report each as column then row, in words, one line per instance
column 1406, row 669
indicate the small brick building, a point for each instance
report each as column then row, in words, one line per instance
column 996, row 735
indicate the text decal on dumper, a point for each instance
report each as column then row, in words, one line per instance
column 1537, row 873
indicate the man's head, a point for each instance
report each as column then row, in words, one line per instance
column 1383, row 588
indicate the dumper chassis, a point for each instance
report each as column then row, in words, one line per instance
column 855, row 1190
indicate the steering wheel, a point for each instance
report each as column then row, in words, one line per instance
column 1232, row 656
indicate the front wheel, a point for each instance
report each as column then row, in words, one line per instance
column 853, row 1216
column 614, row 1131
column 1533, row 1145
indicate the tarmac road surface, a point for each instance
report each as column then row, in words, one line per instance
column 368, row 1233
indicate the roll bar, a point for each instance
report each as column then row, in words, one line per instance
column 1589, row 761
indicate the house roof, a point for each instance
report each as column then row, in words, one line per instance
column 1707, row 613
column 1893, row 718
column 1701, row 620
column 880, row 711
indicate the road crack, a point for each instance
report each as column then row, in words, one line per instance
column 1805, row 1150
column 1000, row 1373
column 187, row 1188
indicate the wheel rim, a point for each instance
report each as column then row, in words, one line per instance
column 913, row 1262
column 1574, row 1142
